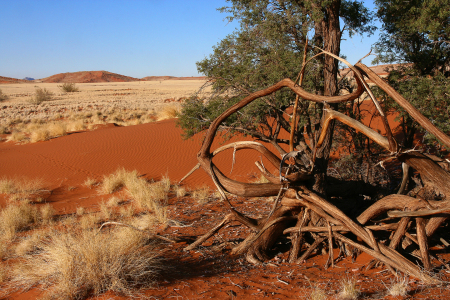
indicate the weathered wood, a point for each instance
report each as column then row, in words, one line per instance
column 423, row 243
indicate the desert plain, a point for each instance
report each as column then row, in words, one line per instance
column 111, row 154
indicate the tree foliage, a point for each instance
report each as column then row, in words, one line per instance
column 416, row 31
column 268, row 47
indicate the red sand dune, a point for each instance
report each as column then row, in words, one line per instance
column 88, row 76
column 153, row 149
column 11, row 80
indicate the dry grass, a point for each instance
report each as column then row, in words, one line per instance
column 3, row 97
column 3, row 273
column 202, row 195
column 80, row 211
column 122, row 103
column 22, row 189
column 18, row 137
column 68, row 87
column 89, row 221
column 168, row 112
column 114, row 201
column 180, row 191
column 349, row 291
column 90, row 182
column 30, row 245
column 317, row 294
column 47, row 213
column 399, row 287
column 3, row 247
column 105, row 211
column 15, row 218
column 146, row 195
column 114, row 182
column 74, row 265
column 41, row 95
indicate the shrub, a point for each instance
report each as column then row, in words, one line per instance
column 3, row 97
column 68, row 87
column 41, row 95
column 76, row 265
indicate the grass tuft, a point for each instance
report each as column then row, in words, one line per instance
column 15, row 218
column 349, row 291
column 168, row 112
column 201, row 195
column 398, row 287
column 74, row 265
column 90, row 182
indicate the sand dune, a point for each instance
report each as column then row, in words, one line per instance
column 153, row 149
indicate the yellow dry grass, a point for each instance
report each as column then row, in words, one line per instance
column 168, row 112
column 126, row 104
column 202, row 195
column 15, row 218
column 75, row 264
column 22, row 189
column 349, row 291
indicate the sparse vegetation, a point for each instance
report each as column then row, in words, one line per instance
column 317, row 294
column 90, row 182
column 41, row 95
column 15, row 218
column 69, row 87
column 349, row 291
column 168, row 112
column 202, row 194
column 47, row 212
column 398, row 287
column 3, row 97
column 76, row 264
column 22, row 188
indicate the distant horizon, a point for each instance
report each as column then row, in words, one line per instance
column 138, row 38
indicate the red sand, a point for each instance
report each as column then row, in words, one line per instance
column 156, row 149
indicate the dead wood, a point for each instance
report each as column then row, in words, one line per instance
column 299, row 211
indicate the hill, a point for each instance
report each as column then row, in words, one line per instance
column 161, row 78
column 11, row 80
column 87, row 76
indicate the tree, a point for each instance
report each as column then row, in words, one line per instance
column 416, row 32
column 268, row 47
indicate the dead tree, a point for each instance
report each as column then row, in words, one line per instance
column 298, row 210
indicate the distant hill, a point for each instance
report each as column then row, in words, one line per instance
column 161, row 78
column 88, row 76
column 28, row 78
column 11, row 80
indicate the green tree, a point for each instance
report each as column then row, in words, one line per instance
column 268, row 47
column 417, row 34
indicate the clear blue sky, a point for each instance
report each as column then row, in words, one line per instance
column 137, row 38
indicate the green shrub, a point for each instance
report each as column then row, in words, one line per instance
column 68, row 87
column 41, row 95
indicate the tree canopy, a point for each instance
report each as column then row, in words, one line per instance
column 416, row 31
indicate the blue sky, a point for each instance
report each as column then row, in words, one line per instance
column 137, row 38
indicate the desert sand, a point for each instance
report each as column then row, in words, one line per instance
column 155, row 150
